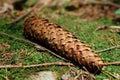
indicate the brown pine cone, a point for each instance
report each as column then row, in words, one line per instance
column 52, row 36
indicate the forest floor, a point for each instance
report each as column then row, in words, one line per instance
column 16, row 52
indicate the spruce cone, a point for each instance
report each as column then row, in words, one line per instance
column 52, row 36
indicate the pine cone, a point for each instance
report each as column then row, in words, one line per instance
column 61, row 41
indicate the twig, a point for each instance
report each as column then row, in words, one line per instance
column 37, row 65
column 27, row 13
column 84, row 75
column 45, row 49
column 38, row 46
column 102, row 27
column 114, row 27
column 111, row 63
column 76, row 77
column 113, row 47
column 107, row 27
column 108, row 73
column 21, row 17
column 16, row 38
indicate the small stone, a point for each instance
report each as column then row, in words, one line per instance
column 43, row 75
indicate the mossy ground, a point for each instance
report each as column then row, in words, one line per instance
column 84, row 30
